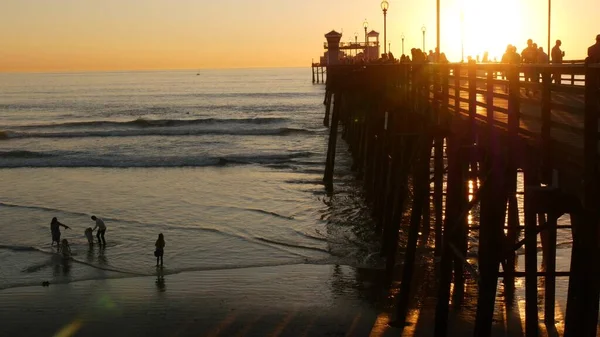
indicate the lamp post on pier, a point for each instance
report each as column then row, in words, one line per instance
column 384, row 6
column 355, row 43
column 423, row 29
column 366, row 25
column 549, row 51
column 402, row 43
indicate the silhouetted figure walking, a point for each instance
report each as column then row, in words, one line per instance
column 55, row 230
column 160, row 246
column 557, row 58
column 101, row 230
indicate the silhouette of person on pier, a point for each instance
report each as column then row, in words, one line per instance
column 529, row 56
column 443, row 58
column 486, row 57
column 542, row 57
column 594, row 51
column 557, row 58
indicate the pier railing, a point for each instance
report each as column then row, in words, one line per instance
column 353, row 45
column 542, row 109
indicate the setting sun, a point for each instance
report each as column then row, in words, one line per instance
column 490, row 25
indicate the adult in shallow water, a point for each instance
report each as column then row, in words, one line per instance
column 55, row 230
column 101, row 229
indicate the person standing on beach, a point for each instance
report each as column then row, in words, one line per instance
column 55, row 230
column 160, row 246
column 101, row 229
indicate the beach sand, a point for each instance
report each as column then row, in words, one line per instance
column 292, row 300
column 295, row 300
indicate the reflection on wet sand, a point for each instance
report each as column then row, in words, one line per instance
column 62, row 265
column 160, row 280
column 102, row 260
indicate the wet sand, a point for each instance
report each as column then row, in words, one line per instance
column 292, row 300
column 296, row 300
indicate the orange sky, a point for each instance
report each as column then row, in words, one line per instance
column 70, row 35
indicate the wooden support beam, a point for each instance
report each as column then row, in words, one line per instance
column 438, row 191
column 328, row 95
column 472, row 74
column 531, row 308
column 460, row 233
column 550, row 274
column 492, row 215
column 584, row 293
column 421, row 195
column 330, row 162
column 450, row 221
column 369, row 155
column 514, row 227
column 390, row 237
column 546, row 140
column 438, row 161
column 360, row 157
column 387, row 201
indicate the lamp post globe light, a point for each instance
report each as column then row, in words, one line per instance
column 384, row 7
column 402, row 36
column 365, row 26
column 355, row 43
column 423, row 29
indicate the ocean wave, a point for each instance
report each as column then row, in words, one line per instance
column 160, row 132
column 262, row 211
column 16, row 248
column 40, row 208
column 292, row 245
column 24, row 154
column 146, row 123
column 149, row 162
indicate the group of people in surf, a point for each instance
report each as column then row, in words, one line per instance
column 64, row 248
column 64, row 244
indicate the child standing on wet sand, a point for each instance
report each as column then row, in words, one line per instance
column 160, row 245
column 65, row 249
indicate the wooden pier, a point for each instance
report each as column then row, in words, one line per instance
column 318, row 69
column 433, row 142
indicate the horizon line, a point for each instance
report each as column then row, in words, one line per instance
column 137, row 70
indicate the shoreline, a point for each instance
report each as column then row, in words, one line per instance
column 338, row 300
column 284, row 300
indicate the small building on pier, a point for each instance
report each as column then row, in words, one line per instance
column 372, row 46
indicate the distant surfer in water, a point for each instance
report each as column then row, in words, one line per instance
column 55, row 229
column 101, row 229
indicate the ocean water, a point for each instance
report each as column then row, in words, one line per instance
column 227, row 164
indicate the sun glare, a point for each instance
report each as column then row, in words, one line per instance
column 477, row 26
